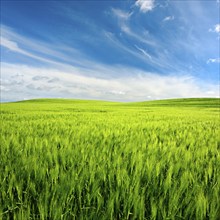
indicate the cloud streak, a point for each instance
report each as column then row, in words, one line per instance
column 13, row 46
column 168, row 18
column 56, row 55
column 144, row 52
column 216, row 60
column 123, row 15
column 44, row 82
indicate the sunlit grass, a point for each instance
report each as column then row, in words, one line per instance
column 65, row 159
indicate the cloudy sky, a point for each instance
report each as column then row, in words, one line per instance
column 110, row 50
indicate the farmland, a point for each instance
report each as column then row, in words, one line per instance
column 75, row 159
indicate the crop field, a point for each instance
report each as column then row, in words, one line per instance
column 73, row 159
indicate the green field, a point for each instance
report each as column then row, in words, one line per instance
column 72, row 159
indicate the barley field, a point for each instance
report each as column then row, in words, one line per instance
column 74, row 159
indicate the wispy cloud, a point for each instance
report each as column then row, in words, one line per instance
column 216, row 60
column 10, row 34
column 168, row 18
column 144, row 52
column 111, row 37
column 123, row 22
column 157, row 62
column 138, row 86
column 121, row 14
column 143, row 37
column 55, row 55
column 145, row 5
column 13, row 46
column 161, row 61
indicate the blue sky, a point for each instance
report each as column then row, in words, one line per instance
column 110, row 50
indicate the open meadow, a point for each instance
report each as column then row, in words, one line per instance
column 73, row 159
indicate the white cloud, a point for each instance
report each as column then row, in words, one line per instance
column 121, row 14
column 169, row 18
column 216, row 60
column 216, row 29
column 118, row 92
column 145, row 5
column 137, row 86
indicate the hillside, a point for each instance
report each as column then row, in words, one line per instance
column 81, row 159
column 193, row 102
